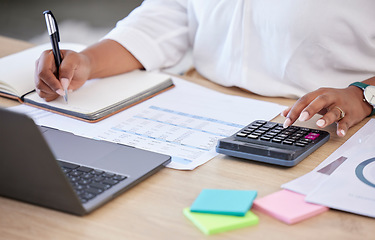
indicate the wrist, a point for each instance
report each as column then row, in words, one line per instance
column 365, row 92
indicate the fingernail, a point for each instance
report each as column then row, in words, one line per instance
column 320, row 123
column 282, row 114
column 65, row 83
column 341, row 133
column 287, row 123
column 60, row 92
column 303, row 117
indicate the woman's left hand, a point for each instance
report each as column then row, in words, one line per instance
column 343, row 106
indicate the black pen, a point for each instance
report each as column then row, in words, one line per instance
column 53, row 32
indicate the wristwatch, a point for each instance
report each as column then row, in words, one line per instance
column 368, row 94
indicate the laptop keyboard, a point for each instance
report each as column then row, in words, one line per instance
column 89, row 182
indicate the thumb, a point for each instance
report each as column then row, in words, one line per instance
column 65, row 82
column 66, row 73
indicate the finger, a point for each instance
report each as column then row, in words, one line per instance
column 285, row 112
column 319, row 105
column 297, row 108
column 343, row 126
column 41, row 88
column 45, row 73
column 47, row 94
column 67, row 70
column 333, row 115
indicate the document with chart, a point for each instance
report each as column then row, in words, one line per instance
column 346, row 179
column 184, row 122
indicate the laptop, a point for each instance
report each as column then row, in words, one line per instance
column 65, row 172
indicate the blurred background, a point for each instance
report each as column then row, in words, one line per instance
column 79, row 21
column 82, row 21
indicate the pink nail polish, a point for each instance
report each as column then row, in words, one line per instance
column 65, row 83
column 303, row 117
column 342, row 132
column 60, row 92
column 287, row 123
column 320, row 123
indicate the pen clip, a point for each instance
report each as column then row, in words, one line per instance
column 50, row 29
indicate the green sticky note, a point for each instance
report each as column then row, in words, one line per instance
column 221, row 201
column 214, row 223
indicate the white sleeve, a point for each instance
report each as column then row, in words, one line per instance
column 156, row 33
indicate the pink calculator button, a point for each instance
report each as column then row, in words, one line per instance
column 312, row 136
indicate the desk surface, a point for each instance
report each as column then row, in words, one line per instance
column 153, row 209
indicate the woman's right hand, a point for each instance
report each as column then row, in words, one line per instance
column 103, row 59
column 73, row 73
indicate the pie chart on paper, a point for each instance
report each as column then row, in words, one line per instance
column 365, row 172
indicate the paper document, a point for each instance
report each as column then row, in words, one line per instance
column 184, row 122
column 346, row 179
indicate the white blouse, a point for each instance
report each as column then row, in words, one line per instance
column 270, row 47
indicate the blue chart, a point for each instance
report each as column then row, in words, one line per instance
column 365, row 172
column 186, row 137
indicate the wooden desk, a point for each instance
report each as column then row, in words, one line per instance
column 153, row 209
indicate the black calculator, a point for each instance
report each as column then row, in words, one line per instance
column 270, row 142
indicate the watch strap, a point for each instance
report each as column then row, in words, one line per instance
column 362, row 86
column 372, row 112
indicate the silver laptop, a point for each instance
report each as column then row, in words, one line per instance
column 65, row 172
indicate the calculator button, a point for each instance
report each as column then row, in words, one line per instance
column 312, row 136
column 302, row 142
column 276, row 140
column 252, row 136
column 287, row 142
column 241, row 134
column 269, row 136
column 247, row 131
column 264, row 138
column 299, row 144
column 279, row 138
column 259, row 132
column 275, row 131
column 270, row 125
column 282, row 136
column 261, row 121
column 294, row 138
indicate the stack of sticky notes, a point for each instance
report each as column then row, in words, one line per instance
column 287, row 206
column 219, row 210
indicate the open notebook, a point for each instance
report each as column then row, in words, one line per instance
column 96, row 100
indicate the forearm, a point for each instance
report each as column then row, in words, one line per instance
column 109, row 58
column 370, row 81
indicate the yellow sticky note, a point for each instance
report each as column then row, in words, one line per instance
column 215, row 223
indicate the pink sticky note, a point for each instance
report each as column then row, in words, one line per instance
column 288, row 206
